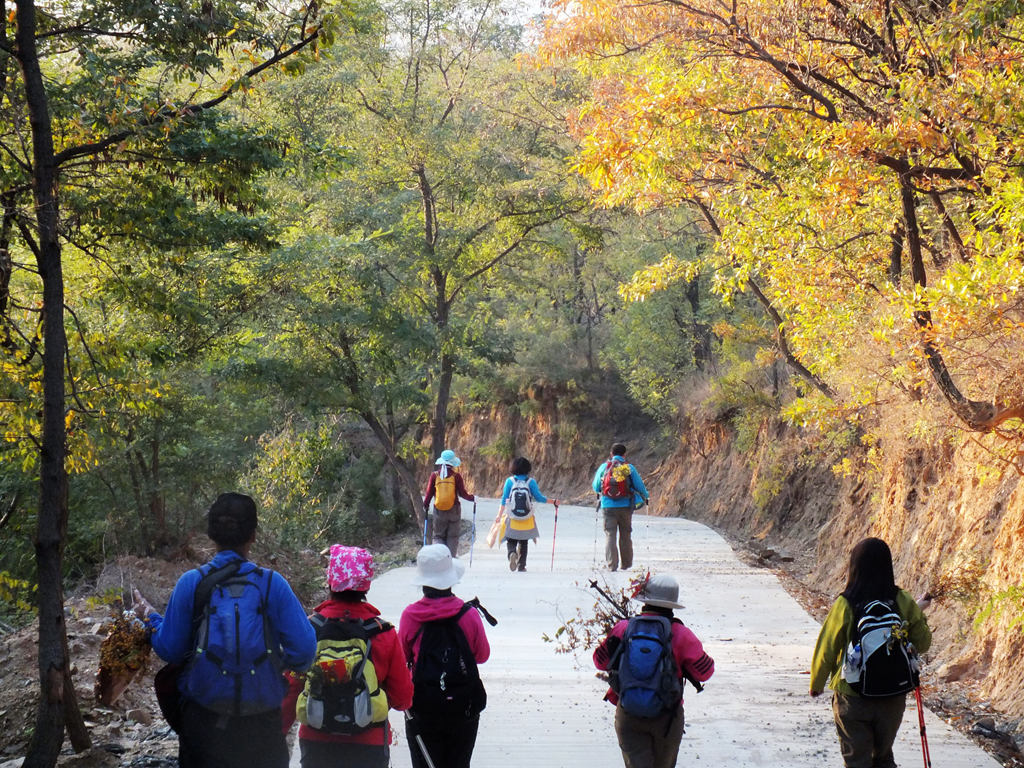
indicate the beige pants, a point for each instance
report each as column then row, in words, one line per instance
column 618, row 537
column 867, row 728
column 650, row 742
column 446, row 528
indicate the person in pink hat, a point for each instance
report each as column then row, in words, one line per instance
column 337, row 726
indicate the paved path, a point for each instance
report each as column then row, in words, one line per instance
column 545, row 709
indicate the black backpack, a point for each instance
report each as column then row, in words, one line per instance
column 445, row 678
column 880, row 659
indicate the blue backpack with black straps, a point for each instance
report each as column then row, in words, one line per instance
column 643, row 671
column 235, row 666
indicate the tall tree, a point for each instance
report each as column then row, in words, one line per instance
column 124, row 51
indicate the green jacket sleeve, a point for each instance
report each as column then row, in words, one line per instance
column 917, row 624
column 831, row 646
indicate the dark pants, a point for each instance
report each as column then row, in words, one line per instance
column 450, row 744
column 618, row 532
column 523, row 546
column 209, row 740
column 867, row 728
column 650, row 742
column 326, row 754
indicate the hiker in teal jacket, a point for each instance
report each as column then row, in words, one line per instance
column 620, row 495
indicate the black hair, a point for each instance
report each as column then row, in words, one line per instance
column 434, row 592
column 349, row 595
column 231, row 520
column 521, row 466
column 870, row 575
column 618, row 450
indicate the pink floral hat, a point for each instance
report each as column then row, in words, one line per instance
column 349, row 568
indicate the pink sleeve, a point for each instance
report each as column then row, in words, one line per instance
column 473, row 627
column 690, row 654
column 407, row 628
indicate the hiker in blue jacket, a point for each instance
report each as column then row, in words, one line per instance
column 621, row 491
column 520, row 521
column 228, row 717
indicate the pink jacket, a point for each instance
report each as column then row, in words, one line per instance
column 686, row 648
column 433, row 608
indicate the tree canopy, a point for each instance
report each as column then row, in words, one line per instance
column 855, row 164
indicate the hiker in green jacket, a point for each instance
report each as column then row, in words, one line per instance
column 867, row 726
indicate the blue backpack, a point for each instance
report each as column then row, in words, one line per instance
column 235, row 667
column 644, row 672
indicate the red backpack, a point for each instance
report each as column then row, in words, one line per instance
column 616, row 481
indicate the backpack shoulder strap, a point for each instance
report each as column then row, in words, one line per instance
column 376, row 625
column 207, row 583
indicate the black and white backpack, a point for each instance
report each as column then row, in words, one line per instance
column 520, row 500
column 880, row 659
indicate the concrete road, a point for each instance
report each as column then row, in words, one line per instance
column 545, row 709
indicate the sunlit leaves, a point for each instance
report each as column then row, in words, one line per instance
column 789, row 125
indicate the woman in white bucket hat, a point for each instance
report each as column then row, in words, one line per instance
column 448, row 737
column 444, row 488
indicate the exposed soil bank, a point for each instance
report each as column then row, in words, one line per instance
column 956, row 531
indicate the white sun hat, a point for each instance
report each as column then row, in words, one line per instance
column 435, row 567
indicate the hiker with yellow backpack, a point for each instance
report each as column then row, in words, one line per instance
column 444, row 488
column 359, row 673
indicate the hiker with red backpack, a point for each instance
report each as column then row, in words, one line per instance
column 517, row 497
column 358, row 675
column 867, row 652
column 444, row 641
column 230, row 630
column 647, row 657
column 621, row 491
column 444, row 488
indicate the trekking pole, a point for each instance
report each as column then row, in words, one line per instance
column 426, row 519
column 420, row 744
column 472, row 541
column 554, row 533
column 924, row 734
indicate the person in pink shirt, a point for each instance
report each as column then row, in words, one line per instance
column 653, row 742
column 446, row 735
column 349, row 572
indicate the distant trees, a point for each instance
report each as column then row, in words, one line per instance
column 414, row 182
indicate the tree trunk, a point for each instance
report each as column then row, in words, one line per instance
column 56, row 694
column 405, row 475
column 976, row 414
column 439, row 426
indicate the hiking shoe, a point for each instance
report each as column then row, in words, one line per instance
column 521, row 569
column 513, row 560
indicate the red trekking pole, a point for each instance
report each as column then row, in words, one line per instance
column 924, row 735
column 554, row 533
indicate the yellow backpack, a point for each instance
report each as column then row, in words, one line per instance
column 342, row 694
column 444, row 491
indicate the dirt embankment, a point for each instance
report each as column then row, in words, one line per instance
column 955, row 528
